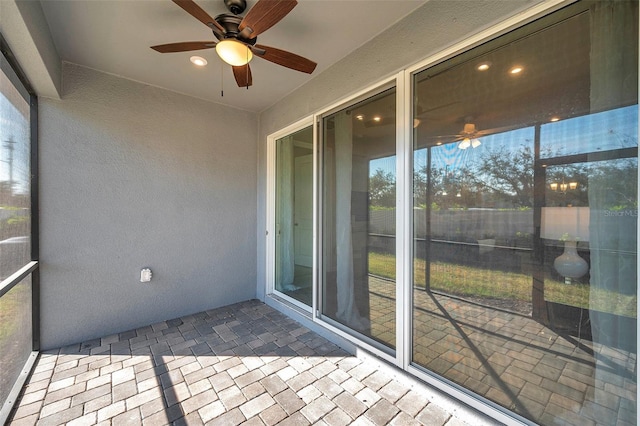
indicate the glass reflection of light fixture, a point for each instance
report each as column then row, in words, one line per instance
column 563, row 187
column 568, row 224
column 234, row 53
column 466, row 143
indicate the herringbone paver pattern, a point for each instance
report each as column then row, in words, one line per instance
column 242, row 364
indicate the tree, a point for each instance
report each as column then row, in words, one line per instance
column 382, row 189
column 507, row 173
column 616, row 184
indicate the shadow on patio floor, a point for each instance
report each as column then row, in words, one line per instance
column 241, row 364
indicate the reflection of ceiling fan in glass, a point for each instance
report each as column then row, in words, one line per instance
column 469, row 136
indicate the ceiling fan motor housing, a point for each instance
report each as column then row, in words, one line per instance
column 230, row 24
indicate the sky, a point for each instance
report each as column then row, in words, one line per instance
column 14, row 126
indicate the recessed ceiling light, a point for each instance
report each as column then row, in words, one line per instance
column 516, row 70
column 360, row 117
column 439, row 143
column 554, row 119
column 198, row 61
column 377, row 118
column 483, row 66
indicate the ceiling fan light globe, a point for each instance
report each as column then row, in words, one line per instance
column 475, row 143
column 466, row 143
column 234, row 53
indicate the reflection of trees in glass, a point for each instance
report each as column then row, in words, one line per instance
column 420, row 186
column 500, row 177
column 503, row 178
column 382, row 189
column 506, row 175
column 439, row 181
column 618, row 182
column 449, row 189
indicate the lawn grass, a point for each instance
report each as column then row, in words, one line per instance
column 465, row 280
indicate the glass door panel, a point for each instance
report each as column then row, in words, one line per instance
column 525, row 217
column 359, row 236
column 294, row 216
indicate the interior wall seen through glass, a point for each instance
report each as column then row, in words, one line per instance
column 359, row 235
column 294, row 215
column 525, row 217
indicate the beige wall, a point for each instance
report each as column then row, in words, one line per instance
column 134, row 176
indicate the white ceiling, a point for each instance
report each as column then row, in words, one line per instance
column 115, row 36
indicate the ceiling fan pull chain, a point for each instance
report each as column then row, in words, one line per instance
column 221, row 80
column 247, row 69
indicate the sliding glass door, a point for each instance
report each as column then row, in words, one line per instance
column 525, row 218
column 501, row 263
column 358, row 228
column 294, row 216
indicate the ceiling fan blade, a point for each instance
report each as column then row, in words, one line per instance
column 264, row 15
column 197, row 12
column 243, row 75
column 447, row 137
column 421, row 113
column 495, row 130
column 286, row 59
column 184, row 46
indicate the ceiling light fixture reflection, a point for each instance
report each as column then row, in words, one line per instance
column 360, row 117
column 554, row 119
column 234, row 53
column 469, row 143
column 483, row 66
column 377, row 118
column 198, row 61
column 516, row 70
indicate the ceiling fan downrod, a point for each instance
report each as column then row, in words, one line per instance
column 236, row 6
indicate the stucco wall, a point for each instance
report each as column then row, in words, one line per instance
column 134, row 176
column 427, row 31
column 25, row 29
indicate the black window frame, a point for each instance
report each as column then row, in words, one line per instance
column 20, row 80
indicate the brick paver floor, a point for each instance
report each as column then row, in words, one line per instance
column 542, row 374
column 241, row 364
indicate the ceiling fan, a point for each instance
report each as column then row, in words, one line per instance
column 237, row 36
column 469, row 136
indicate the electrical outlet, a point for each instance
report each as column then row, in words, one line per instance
column 145, row 275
